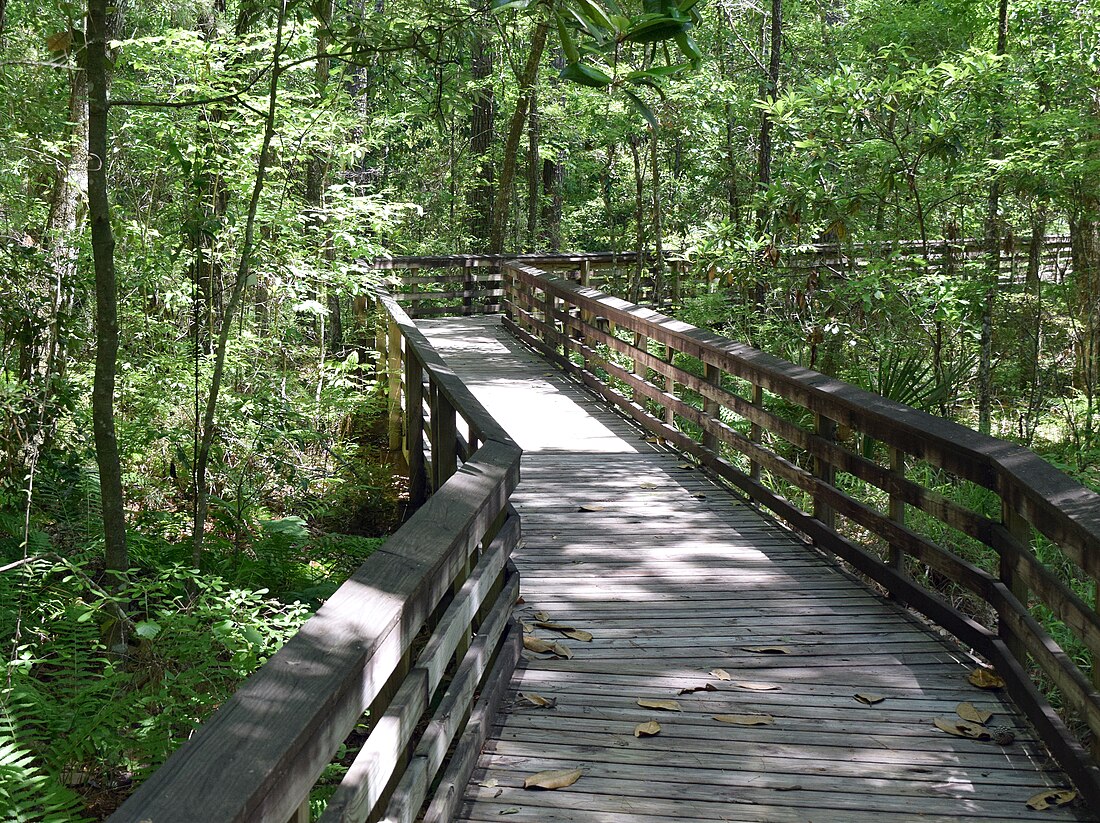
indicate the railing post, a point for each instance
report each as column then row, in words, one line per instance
column 467, row 289
column 713, row 375
column 444, row 437
column 414, row 431
column 411, row 274
column 301, row 814
column 393, row 373
column 1020, row 531
column 824, row 470
column 640, row 342
column 670, row 387
column 897, row 508
column 755, row 431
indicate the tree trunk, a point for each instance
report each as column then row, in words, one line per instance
column 244, row 268
column 527, row 82
column 534, row 175
column 106, row 294
column 639, row 220
column 658, row 216
column 480, row 197
column 764, row 159
column 992, row 247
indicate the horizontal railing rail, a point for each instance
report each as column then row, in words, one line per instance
column 467, row 284
column 442, row 588
column 813, row 449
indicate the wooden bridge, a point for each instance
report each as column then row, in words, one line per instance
column 733, row 596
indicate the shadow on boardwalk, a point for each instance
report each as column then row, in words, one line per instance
column 675, row 579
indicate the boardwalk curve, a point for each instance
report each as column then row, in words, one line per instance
column 675, row 578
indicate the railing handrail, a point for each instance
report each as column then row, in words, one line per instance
column 552, row 314
column 260, row 753
column 998, row 465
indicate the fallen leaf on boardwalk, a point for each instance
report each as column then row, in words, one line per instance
column 745, row 719
column 869, row 699
column 706, row 687
column 561, row 650
column 542, row 616
column 546, row 624
column 491, row 783
column 757, row 687
column 537, row 645
column 591, row 507
column 508, row 811
column 664, row 705
column 685, row 466
column 538, row 701
column 647, row 729
column 962, row 728
column 527, row 627
column 579, row 634
column 554, row 779
column 767, row 649
column 1051, row 798
column 699, row 496
column 721, row 674
column 647, row 485
column 985, row 679
column 968, row 711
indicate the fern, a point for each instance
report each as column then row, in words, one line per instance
column 29, row 794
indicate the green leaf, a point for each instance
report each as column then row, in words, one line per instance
column 585, row 75
column 147, row 629
column 643, row 109
column 572, row 53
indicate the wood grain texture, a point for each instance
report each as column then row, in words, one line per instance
column 674, row 578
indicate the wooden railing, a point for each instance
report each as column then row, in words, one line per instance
column 443, row 579
column 465, row 284
column 813, row 450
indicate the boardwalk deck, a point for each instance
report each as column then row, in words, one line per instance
column 675, row 578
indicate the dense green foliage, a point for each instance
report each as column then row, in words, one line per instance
column 894, row 127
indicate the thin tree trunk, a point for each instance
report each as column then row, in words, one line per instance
column 658, row 217
column 992, row 247
column 480, row 197
column 103, row 248
column 764, row 159
column 639, row 220
column 244, row 268
column 534, row 174
column 527, row 82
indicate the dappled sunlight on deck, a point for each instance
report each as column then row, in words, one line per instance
column 681, row 585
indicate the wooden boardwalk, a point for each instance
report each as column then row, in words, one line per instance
column 675, row 579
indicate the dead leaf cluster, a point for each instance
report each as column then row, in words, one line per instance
column 971, row 724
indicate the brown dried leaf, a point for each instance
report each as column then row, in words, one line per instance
column 706, row 687
column 647, row 729
column 767, row 649
column 579, row 634
column 538, row 701
column 699, row 496
column 721, row 674
column 647, row 486
column 962, row 728
column 985, row 679
column 745, row 719
column 968, row 711
column 536, row 644
column 561, row 650
column 868, row 699
column 758, row 687
column 527, row 627
column 60, row 42
column 543, row 616
column 592, row 507
column 663, row 705
column 685, row 466
column 1051, row 798
column 554, row 779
